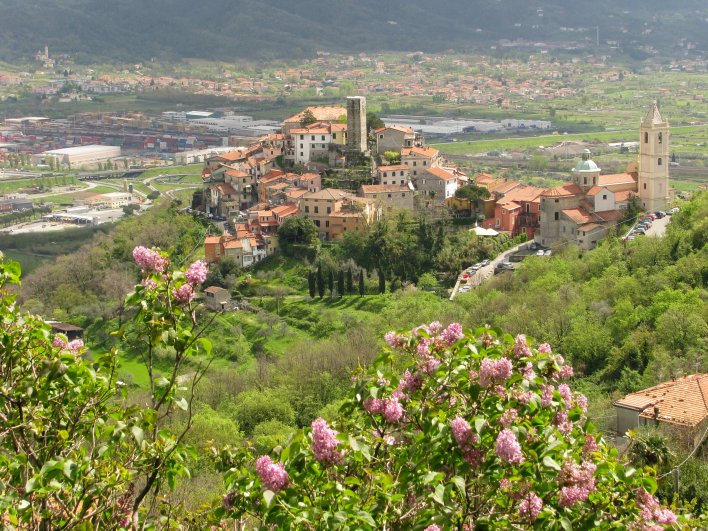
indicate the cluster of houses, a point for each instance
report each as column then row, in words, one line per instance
column 247, row 185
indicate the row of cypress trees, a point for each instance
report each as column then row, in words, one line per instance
column 345, row 283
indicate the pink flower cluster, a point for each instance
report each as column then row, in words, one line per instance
column 324, row 442
column 432, row 527
column 463, row 434
column 395, row 340
column 530, row 506
column 494, row 371
column 390, row 408
column 273, row 475
column 149, row 260
column 197, row 272
column 566, row 395
column 410, row 382
column 452, row 334
column 544, row 348
column 184, row 293
column 508, row 448
column 527, row 371
column 521, row 347
column 651, row 511
column 590, row 445
column 508, row 418
column 578, row 481
column 72, row 346
column 547, row 395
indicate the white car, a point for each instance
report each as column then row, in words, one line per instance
column 539, row 252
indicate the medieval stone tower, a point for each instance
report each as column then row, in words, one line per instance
column 654, row 161
column 357, row 137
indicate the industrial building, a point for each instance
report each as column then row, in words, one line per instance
column 76, row 156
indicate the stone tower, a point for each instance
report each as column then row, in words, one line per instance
column 357, row 135
column 654, row 161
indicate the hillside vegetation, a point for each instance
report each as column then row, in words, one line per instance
column 225, row 29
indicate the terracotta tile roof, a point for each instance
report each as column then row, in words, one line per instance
column 321, row 112
column 441, row 174
column 212, row 239
column 214, row 289
column 225, row 189
column 510, row 205
column 285, row 210
column 683, row 401
column 393, row 167
column 523, row 193
column 329, row 193
column 624, row 196
column 561, row 191
column 425, row 152
column 383, row 188
column 610, row 215
column 579, row 215
column 234, row 155
column 395, row 128
column 235, row 173
column 595, row 190
column 297, row 192
column 587, row 227
column 617, row 178
column 503, row 187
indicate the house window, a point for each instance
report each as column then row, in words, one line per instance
column 329, row 210
column 659, row 161
column 327, row 223
column 302, row 146
column 322, row 138
column 563, row 228
column 645, row 186
column 415, row 163
column 307, row 209
column 302, row 154
column 317, row 222
column 415, row 172
column 604, row 196
column 555, row 201
column 660, row 138
column 312, row 137
column 302, row 137
column 585, row 180
column 528, row 208
column 425, row 163
column 317, row 210
column 381, row 137
column 498, row 222
column 646, row 138
column 389, row 196
column 556, row 216
column 402, row 181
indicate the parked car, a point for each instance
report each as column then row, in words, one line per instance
column 673, row 211
column 539, row 252
column 659, row 215
column 652, row 216
column 484, row 263
column 547, row 253
column 639, row 230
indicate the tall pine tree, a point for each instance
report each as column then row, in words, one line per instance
column 320, row 282
column 382, row 282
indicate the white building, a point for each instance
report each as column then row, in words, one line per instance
column 75, row 156
column 314, row 140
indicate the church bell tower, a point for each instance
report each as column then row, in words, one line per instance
column 654, row 161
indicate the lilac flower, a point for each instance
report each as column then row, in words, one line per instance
column 373, row 405
column 492, row 371
column 561, row 421
column 410, row 382
column 521, row 347
column 453, row 333
column 508, row 418
column 197, row 272
column 435, row 328
column 544, row 348
column 149, row 283
column 527, row 371
column 324, row 442
column 569, row 496
column 651, row 511
column 508, row 448
column 423, row 348
column 433, row 527
column 59, row 342
column 273, row 475
column 566, row 394
column 547, row 395
column 530, row 506
column 430, row 364
column 590, row 444
column 566, row 372
column 74, row 346
column 184, row 293
column 462, row 432
column 394, row 340
column 149, row 260
column 582, row 402
column 392, row 410
column 578, row 481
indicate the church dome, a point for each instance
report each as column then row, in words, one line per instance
column 586, row 165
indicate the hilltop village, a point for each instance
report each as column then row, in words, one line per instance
column 283, row 175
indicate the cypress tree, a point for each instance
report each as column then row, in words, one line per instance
column 362, row 287
column 330, row 282
column 340, row 283
column 382, row 282
column 320, row 282
column 311, row 283
column 350, row 282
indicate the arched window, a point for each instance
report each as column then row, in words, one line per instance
column 659, row 161
column 646, row 138
column 660, row 138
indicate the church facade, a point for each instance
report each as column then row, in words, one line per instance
column 585, row 209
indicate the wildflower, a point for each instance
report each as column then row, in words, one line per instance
column 530, row 506
column 273, row 475
column 197, row 272
column 452, row 333
column 184, row 293
column 521, row 347
column 494, row 371
column 324, row 442
column 508, row 448
column 149, row 260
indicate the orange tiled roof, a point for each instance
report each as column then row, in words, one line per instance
column 441, row 174
column 590, row 227
column 502, row 187
column 683, row 401
column 561, row 191
column 610, row 215
column 395, row 128
column 523, row 193
column 624, row 196
column 426, row 152
column 393, row 167
column 383, row 188
column 617, row 178
column 579, row 215
column 329, row 193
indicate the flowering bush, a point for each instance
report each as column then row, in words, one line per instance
column 449, row 430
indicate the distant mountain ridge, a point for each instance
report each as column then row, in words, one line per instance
column 228, row 29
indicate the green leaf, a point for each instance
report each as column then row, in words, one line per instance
column 460, row 484
column 268, row 496
column 439, row 495
column 138, row 433
column 565, row 524
column 551, row 463
column 479, row 424
column 29, row 486
column 182, row 404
